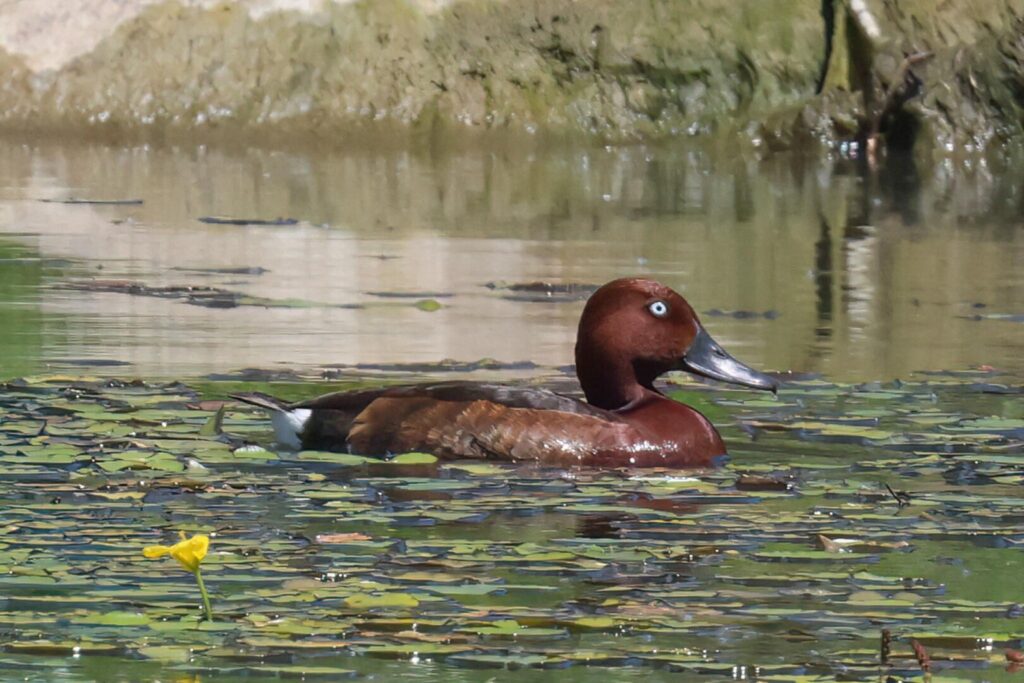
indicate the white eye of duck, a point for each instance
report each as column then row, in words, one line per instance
column 659, row 309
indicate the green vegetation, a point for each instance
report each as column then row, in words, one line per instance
column 853, row 509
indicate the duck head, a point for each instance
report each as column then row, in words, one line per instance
column 633, row 330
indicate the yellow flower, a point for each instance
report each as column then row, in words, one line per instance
column 189, row 551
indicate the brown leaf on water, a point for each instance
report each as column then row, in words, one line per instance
column 638, row 610
column 749, row 482
column 420, row 637
column 833, row 546
column 849, row 545
column 1015, row 656
column 342, row 538
column 922, row 655
column 211, row 405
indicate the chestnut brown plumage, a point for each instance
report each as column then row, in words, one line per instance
column 631, row 331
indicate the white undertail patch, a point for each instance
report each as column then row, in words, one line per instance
column 289, row 425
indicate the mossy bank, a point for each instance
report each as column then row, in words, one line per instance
column 778, row 72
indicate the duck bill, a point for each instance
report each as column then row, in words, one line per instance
column 706, row 358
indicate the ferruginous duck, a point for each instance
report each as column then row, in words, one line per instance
column 631, row 331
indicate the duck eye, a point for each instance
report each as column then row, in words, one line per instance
column 659, row 309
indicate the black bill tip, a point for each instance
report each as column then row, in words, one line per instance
column 706, row 358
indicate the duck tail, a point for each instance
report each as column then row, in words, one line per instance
column 289, row 423
column 260, row 400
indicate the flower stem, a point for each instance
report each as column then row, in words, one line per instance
column 206, row 596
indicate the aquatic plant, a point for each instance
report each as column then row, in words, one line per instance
column 333, row 564
column 190, row 553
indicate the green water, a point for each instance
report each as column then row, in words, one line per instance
column 785, row 564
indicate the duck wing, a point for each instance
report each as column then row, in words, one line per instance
column 503, row 394
column 465, row 420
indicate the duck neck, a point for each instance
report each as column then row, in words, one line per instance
column 608, row 382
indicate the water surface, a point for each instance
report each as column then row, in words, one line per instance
column 857, row 276
column 881, row 490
